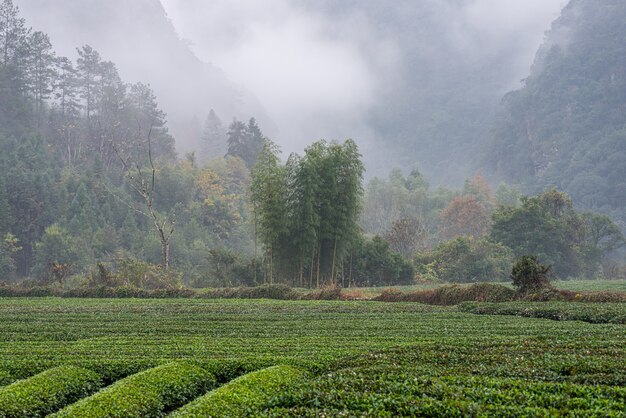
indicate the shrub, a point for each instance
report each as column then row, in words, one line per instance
column 148, row 393
column 528, row 275
column 452, row 295
column 47, row 392
column 248, row 391
column 275, row 291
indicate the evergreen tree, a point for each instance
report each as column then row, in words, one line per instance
column 42, row 72
column 89, row 74
column 214, row 141
column 245, row 141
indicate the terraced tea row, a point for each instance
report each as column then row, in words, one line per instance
column 597, row 313
column 344, row 346
column 150, row 393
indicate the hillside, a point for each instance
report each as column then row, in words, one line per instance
column 566, row 126
column 141, row 40
column 454, row 64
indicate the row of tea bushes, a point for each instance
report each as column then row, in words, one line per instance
column 47, row 392
column 145, row 394
column 252, row 390
column 604, row 313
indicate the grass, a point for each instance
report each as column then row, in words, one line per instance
column 351, row 348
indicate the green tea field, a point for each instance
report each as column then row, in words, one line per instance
column 198, row 357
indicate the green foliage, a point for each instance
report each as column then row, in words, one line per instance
column 452, row 294
column 416, row 356
column 145, row 394
column 597, row 313
column 250, row 391
column 466, row 260
column 227, row 268
column 410, row 391
column 564, row 128
column 57, row 248
column 47, row 392
column 372, row 263
column 547, row 225
column 528, row 275
column 387, row 201
column 245, row 141
column 305, row 212
column 144, row 275
column 8, row 249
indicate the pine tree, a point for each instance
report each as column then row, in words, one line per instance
column 88, row 70
column 214, row 141
column 245, row 141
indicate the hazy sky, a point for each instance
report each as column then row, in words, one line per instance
column 304, row 65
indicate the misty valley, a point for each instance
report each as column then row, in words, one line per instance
column 312, row 208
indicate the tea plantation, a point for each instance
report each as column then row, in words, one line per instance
column 199, row 357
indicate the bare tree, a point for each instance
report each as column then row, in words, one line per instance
column 145, row 187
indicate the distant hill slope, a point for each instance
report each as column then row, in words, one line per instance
column 567, row 125
column 141, row 40
column 456, row 63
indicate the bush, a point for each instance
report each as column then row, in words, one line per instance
column 144, row 275
column 528, row 275
column 452, row 295
column 148, row 393
column 248, row 391
column 275, row 291
column 47, row 392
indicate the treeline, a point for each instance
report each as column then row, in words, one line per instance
column 93, row 194
column 77, row 142
column 475, row 234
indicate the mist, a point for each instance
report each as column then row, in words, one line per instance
column 318, row 69
column 321, row 70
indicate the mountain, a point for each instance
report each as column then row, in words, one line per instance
column 138, row 36
column 566, row 127
column 455, row 61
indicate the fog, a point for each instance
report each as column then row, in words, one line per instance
column 318, row 69
column 305, row 69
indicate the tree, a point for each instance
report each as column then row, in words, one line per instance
column 88, row 71
column 56, row 254
column 15, row 112
column 373, row 263
column 464, row 259
column 464, row 216
column 405, row 236
column 267, row 199
column 8, row 248
column 480, row 190
column 214, row 141
column 245, row 141
column 528, row 275
column 548, row 226
column 42, row 71
column 164, row 225
column 65, row 115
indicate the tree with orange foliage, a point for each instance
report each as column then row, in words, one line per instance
column 480, row 189
column 464, row 216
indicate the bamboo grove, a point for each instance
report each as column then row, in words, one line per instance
column 306, row 212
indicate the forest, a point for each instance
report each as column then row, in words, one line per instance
column 94, row 193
